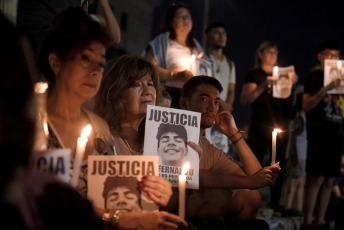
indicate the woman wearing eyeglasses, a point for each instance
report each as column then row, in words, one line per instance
column 173, row 50
column 267, row 112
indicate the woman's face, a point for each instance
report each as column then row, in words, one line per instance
column 139, row 96
column 82, row 75
column 269, row 56
column 182, row 22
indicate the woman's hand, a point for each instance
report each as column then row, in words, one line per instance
column 157, row 188
column 182, row 75
column 151, row 221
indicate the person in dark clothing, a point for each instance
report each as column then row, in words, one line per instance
column 267, row 113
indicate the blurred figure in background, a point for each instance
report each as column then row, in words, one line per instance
column 267, row 113
column 171, row 52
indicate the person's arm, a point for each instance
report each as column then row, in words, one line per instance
column 309, row 101
column 251, row 91
column 336, row 193
column 110, row 21
column 165, row 74
column 228, row 104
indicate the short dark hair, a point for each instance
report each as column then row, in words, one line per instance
column 178, row 129
column 126, row 181
column 73, row 29
column 214, row 25
column 190, row 86
column 328, row 44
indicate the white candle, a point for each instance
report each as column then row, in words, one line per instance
column 192, row 60
column 182, row 182
column 339, row 64
column 273, row 149
column 79, row 153
column 42, row 133
column 275, row 75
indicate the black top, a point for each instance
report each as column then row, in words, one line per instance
column 267, row 110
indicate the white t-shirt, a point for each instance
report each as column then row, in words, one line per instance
column 224, row 74
column 178, row 58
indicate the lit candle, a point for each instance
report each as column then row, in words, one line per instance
column 275, row 75
column 79, row 153
column 339, row 64
column 192, row 60
column 273, row 150
column 42, row 116
column 182, row 182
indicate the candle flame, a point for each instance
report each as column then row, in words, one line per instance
column 185, row 168
column 192, row 58
column 275, row 69
column 86, row 131
column 45, row 128
column 277, row 130
column 41, row 87
column 339, row 63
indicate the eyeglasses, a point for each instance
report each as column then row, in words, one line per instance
column 330, row 55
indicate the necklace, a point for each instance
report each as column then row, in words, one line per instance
column 131, row 150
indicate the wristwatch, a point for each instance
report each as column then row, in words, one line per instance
column 112, row 220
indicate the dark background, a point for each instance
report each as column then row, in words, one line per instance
column 298, row 27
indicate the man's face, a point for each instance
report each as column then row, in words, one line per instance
column 172, row 149
column 122, row 198
column 328, row 54
column 205, row 100
column 217, row 37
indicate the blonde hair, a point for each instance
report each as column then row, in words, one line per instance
column 261, row 48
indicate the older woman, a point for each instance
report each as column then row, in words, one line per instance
column 170, row 52
column 130, row 84
column 73, row 63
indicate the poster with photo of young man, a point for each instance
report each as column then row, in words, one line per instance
column 285, row 78
column 114, row 182
column 167, row 134
column 334, row 69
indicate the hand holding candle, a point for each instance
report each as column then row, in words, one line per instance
column 182, row 182
column 79, row 153
column 273, row 149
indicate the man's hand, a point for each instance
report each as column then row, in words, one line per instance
column 226, row 124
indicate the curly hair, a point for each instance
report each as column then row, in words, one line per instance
column 119, row 75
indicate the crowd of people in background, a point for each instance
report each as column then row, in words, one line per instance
column 66, row 46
